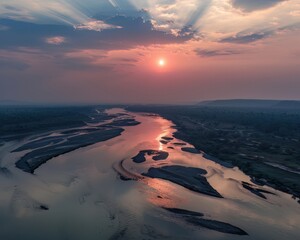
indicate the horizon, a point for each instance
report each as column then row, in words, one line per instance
column 150, row 52
column 58, row 104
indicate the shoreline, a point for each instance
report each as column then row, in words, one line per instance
column 184, row 129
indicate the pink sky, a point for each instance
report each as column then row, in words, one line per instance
column 229, row 50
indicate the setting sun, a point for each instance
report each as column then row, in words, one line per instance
column 161, row 62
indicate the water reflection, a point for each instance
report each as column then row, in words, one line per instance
column 239, row 206
column 87, row 199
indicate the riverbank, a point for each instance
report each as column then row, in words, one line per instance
column 237, row 137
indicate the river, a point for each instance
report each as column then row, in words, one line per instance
column 83, row 197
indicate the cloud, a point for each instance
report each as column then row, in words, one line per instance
column 174, row 15
column 96, row 25
column 247, row 38
column 114, row 3
column 132, row 32
column 128, row 60
column 68, row 12
column 253, row 5
column 58, row 40
column 206, row 18
column 216, row 52
column 244, row 38
column 295, row 13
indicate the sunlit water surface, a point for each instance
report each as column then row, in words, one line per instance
column 88, row 200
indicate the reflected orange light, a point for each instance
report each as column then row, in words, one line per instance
column 163, row 193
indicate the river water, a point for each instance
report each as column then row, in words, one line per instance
column 88, row 200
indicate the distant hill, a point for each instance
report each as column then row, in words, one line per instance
column 252, row 103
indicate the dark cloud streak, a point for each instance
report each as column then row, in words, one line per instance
column 242, row 38
column 248, row 38
column 217, row 52
column 253, row 5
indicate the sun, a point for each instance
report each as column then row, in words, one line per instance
column 161, row 62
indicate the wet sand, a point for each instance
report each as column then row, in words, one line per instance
column 190, row 178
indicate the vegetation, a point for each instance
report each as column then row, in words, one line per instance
column 21, row 121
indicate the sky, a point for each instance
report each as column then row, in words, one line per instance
column 148, row 51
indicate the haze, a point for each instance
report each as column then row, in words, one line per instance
column 108, row 51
